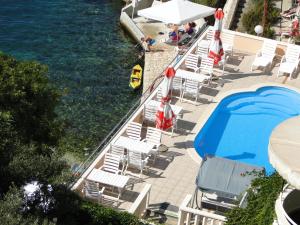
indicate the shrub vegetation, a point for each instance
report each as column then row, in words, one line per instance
column 261, row 199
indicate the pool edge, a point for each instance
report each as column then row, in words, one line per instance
column 213, row 105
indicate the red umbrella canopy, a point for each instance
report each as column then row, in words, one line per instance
column 295, row 27
column 164, row 114
column 216, row 50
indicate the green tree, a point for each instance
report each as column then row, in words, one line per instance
column 261, row 199
column 253, row 16
column 29, row 135
column 29, row 126
column 27, row 96
column 11, row 207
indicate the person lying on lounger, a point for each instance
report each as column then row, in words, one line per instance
column 149, row 41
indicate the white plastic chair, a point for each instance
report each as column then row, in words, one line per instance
column 177, row 84
column 120, row 151
column 136, row 160
column 191, row 62
column 158, row 94
column 153, row 136
column 91, row 190
column 133, row 130
column 149, row 113
column 210, row 34
column 202, row 50
column 111, row 163
column 191, row 87
column 227, row 42
column 265, row 57
column 290, row 61
column 206, row 68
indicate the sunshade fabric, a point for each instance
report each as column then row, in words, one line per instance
column 227, row 178
column 164, row 114
column 284, row 150
column 216, row 48
column 177, row 12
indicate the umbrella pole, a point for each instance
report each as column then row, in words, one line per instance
column 132, row 12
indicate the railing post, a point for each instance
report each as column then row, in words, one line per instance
column 186, row 213
column 182, row 214
column 181, row 217
column 197, row 217
column 188, row 218
column 148, row 199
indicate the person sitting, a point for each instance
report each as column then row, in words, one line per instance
column 189, row 28
column 173, row 35
column 149, row 41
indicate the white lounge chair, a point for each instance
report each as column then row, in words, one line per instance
column 290, row 61
column 133, row 130
column 153, row 136
column 111, row 163
column 265, row 57
column 91, row 191
column 191, row 62
column 136, row 160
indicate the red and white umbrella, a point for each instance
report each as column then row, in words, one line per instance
column 164, row 114
column 216, row 50
column 295, row 27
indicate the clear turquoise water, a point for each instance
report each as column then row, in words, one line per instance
column 88, row 55
column 241, row 125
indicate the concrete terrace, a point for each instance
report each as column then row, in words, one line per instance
column 172, row 177
column 163, row 53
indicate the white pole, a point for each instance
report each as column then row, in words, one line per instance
column 133, row 3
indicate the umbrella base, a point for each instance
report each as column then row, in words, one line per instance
column 163, row 148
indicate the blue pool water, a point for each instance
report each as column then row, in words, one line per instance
column 88, row 56
column 240, row 127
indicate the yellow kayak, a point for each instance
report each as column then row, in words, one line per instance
column 136, row 77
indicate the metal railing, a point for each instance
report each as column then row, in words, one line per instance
column 78, row 172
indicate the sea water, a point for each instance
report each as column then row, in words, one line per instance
column 88, row 56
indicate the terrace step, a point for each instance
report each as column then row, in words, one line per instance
column 242, row 5
column 160, row 215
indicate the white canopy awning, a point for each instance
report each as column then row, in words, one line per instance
column 284, row 150
column 177, row 12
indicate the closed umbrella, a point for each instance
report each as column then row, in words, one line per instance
column 134, row 4
column 164, row 114
column 216, row 50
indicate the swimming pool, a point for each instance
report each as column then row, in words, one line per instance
column 240, row 126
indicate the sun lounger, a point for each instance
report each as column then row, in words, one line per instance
column 290, row 61
column 264, row 58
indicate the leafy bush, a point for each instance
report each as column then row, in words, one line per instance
column 260, row 202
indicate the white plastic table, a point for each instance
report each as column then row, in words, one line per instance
column 177, row 110
column 134, row 145
column 110, row 179
column 191, row 75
